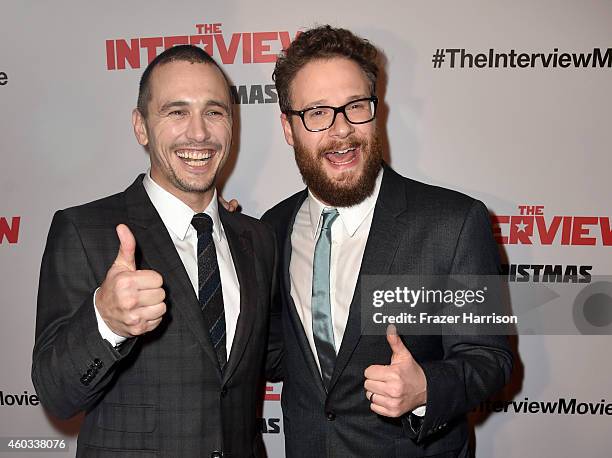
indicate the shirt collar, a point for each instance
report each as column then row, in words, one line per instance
column 351, row 217
column 175, row 214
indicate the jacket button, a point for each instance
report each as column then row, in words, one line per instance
column 331, row 415
column 98, row 364
column 223, row 392
column 216, row 454
column 85, row 380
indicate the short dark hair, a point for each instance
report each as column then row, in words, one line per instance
column 185, row 53
column 322, row 42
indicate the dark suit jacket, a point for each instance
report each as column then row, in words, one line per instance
column 416, row 229
column 160, row 394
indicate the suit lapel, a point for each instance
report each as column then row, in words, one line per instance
column 381, row 247
column 296, row 322
column 241, row 246
column 158, row 251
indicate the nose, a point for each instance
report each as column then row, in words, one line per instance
column 197, row 130
column 341, row 128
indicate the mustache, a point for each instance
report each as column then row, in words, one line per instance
column 340, row 145
column 191, row 145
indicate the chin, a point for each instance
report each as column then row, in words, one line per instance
column 344, row 178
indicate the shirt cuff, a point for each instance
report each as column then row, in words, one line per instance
column 420, row 411
column 106, row 332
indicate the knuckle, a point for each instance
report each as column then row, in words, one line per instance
column 130, row 301
column 124, row 282
column 139, row 328
column 157, row 278
column 153, row 324
column 132, row 321
column 395, row 391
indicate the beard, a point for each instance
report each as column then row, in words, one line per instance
column 185, row 184
column 196, row 187
column 347, row 189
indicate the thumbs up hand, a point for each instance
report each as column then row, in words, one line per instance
column 401, row 386
column 130, row 301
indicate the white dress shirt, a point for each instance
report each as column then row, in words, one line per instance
column 349, row 234
column 177, row 216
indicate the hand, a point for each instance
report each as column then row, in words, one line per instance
column 399, row 387
column 130, row 301
column 230, row 206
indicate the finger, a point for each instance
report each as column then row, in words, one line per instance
column 152, row 324
column 379, row 373
column 233, row 205
column 151, row 312
column 148, row 297
column 143, row 319
column 230, row 206
column 390, row 407
column 127, row 247
column 376, row 387
column 224, row 203
column 146, row 279
column 380, row 410
column 395, row 342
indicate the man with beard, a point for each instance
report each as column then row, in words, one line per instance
column 344, row 393
column 153, row 303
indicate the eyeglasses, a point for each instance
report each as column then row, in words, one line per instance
column 316, row 119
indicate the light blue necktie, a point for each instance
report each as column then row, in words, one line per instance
column 322, row 328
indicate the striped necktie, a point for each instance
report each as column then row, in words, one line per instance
column 210, row 294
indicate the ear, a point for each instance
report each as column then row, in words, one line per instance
column 140, row 128
column 287, row 129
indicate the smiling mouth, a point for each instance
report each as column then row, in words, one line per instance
column 195, row 158
column 342, row 157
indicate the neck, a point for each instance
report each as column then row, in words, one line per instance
column 196, row 200
column 323, row 201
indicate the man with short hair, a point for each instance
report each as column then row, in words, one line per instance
column 344, row 393
column 153, row 303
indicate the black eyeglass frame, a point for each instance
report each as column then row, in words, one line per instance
column 337, row 110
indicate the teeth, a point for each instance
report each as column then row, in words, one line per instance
column 196, row 155
column 197, row 163
column 344, row 151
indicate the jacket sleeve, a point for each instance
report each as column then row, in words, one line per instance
column 275, row 352
column 71, row 364
column 474, row 366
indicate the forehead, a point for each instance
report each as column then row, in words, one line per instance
column 188, row 81
column 332, row 81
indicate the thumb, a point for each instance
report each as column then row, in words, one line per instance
column 127, row 247
column 397, row 346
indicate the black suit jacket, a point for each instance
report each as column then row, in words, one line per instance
column 161, row 394
column 416, row 229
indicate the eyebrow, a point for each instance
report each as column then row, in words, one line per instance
column 183, row 103
column 216, row 103
column 321, row 102
column 174, row 104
